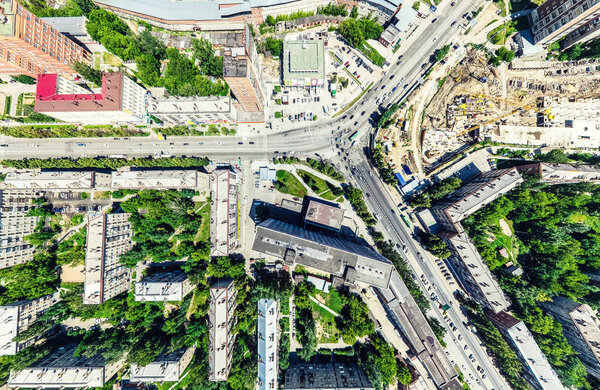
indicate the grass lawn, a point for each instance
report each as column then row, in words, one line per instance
column 111, row 59
column 321, row 187
column 204, row 232
column 332, row 299
column 287, row 183
column 326, row 330
column 499, row 35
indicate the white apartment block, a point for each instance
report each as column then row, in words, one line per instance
column 36, row 179
column 62, row 370
column 17, row 317
column 564, row 173
column 221, row 318
column 108, row 237
column 268, row 344
column 163, row 287
column 157, row 179
column 192, row 110
column 224, row 212
column 168, row 368
column 15, row 225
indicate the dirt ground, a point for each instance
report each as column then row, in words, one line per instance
column 71, row 274
column 505, row 228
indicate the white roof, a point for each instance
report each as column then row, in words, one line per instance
column 36, row 179
column 166, row 287
column 156, row 179
column 268, row 366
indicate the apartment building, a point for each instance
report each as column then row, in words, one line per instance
column 17, row 317
column 321, row 376
column 573, row 20
column 581, row 327
column 15, row 225
column 564, row 173
column 120, row 100
column 167, row 368
column 36, row 179
column 538, row 371
column 474, row 274
column 61, row 369
column 324, row 215
column 224, row 212
column 242, row 72
column 334, row 255
column 32, row 46
column 268, row 344
column 108, row 237
column 221, row 318
column 473, row 196
column 176, row 179
column 197, row 109
column 163, row 287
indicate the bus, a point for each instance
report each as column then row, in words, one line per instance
column 354, row 135
column 407, row 221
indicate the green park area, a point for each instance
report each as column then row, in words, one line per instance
column 287, row 183
column 322, row 188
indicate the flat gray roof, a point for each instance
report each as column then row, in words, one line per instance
column 324, row 215
column 303, row 59
column 329, row 254
column 326, row 376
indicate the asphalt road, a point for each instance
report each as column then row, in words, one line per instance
column 312, row 139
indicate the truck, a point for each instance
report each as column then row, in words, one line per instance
column 354, row 135
column 406, row 169
column 401, row 181
column 407, row 221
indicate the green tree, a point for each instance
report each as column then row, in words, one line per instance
column 354, row 12
column 351, row 30
column 404, row 375
column 87, row 72
column 354, row 320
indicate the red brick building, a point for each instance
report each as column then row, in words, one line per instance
column 29, row 45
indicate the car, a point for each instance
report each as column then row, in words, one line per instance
column 394, row 89
column 391, row 77
column 434, row 39
column 460, row 336
column 240, row 143
column 383, row 86
column 4, row 146
column 251, row 142
column 184, row 144
column 434, row 20
column 466, row 347
column 483, row 376
column 453, row 4
column 80, row 144
column 362, row 113
column 453, row 24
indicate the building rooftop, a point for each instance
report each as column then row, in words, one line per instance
column 222, row 304
column 59, row 180
column 329, row 254
column 48, row 98
column 223, row 231
column 163, row 286
column 303, row 60
column 404, row 16
column 181, row 178
column 326, row 376
column 167, row 368
column 326, row 215
column 268, row 344
column 468, row 254
column 531, row 353
column 479, row 192
column 182, row 105
column 68, row 25
column 235, row 66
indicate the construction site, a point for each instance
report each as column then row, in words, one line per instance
column 530, row 103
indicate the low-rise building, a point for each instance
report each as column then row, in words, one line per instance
column 268, row 344
column 15, row 225
column 473, row 272
column 224, row 212
column 63, row 370
column 17, row 317
column 564, row 173
column 167, row 368
column 121, row 100
column 325, row 376
column 163, row 287
column 581, row 327
column 398, row 26
column 36, row 179
column 157, row 179
column 108, row 237
column 334, row 255
column 474, row 196
column 221, row 318
column 324, row 215
column 538, row 371
column 192, row 110
column 304, row 63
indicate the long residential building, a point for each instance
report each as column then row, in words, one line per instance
column 564, row 173
column 15, row 225
column 572, row 21
column 61, row 369
column 35, row 179
column 17, row 317
column 163, row 287
column 176, row 179
column 357, row 262
column 474, row 196
column 538, row 371
column 221, row 319
column 224, row 212
column 268, row 344
column 326, row 376
column 121, row 100
column 167, row 368
column 193, row 110
column 581, row 327
column 32, row 46
column 108, row 237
